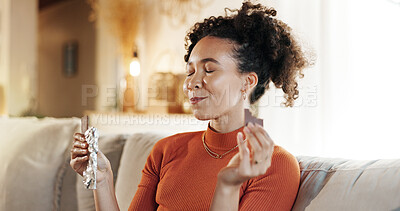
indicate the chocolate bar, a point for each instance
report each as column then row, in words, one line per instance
column 250, row 118
column 91, row 137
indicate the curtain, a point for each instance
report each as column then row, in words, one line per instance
column 348, row 103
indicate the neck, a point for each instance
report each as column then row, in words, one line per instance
column 228, row 122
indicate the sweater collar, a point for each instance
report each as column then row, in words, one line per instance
column 221, row 140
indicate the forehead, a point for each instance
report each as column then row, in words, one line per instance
column 212, row 47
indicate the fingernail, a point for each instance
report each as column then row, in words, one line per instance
column 251, row 125
column 247, row 129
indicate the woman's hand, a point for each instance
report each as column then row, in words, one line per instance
column 80, row 157
column 248, row 164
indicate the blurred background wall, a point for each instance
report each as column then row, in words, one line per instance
column 348, row 103
column 60, row 94
column 18, row 55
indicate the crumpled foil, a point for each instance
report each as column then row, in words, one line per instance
column 89, row 175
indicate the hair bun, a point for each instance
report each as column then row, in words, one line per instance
column 248, row 8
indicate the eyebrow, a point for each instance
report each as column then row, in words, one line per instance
column 206, row 60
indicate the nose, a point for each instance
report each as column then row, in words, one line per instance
column 196, row 81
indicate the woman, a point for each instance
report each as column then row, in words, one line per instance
column 230, row 62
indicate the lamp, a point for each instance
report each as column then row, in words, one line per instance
column 134, row 66
column 129, row 93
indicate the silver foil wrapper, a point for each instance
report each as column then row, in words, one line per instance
column 89, row 175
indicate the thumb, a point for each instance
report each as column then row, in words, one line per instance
column 100, row 154
column 102, row 161
column 244, row 151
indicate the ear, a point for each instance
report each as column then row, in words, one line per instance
column 251, row 81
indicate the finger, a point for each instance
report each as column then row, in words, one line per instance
column 234, row 160
column 78, row 152
column 79, row 160
column 240, row 142
column 78, row 164
column 265, row 133
column 252, row 139
column 262, row 137
column 244, row 151
column 257, row 131
column 78, row 144
column 244, row 162
column 267, row 143
column 79, row 137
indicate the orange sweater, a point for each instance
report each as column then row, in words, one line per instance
column 180, row 175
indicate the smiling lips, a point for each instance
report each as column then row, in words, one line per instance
column 195, row 100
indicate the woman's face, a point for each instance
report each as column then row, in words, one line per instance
column 213, row 83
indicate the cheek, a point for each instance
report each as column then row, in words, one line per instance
column 223, row 86
column 215, row 84
column 185, row 87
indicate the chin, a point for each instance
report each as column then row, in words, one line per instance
column 203, row 116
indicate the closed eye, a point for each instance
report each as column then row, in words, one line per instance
column 210, row 71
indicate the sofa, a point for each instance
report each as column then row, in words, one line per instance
column 35, row 172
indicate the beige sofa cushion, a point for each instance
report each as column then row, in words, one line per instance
column 339, row 184
column 32, row 151
column 137, row 149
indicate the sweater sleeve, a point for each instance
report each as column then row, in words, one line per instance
column 277, row 188
column 145, row 196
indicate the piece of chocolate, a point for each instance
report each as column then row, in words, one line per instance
column 250, row 118
column 91, row 137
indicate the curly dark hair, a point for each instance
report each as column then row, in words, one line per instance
column 263, row 44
